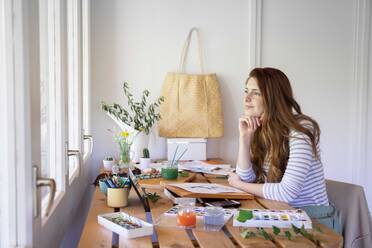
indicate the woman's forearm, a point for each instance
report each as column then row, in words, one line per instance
column 252, row 188
column 244, row 157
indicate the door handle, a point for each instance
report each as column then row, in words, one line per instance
column 43, row 182
column 90, row 138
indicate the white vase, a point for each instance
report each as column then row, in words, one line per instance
column 139, row 143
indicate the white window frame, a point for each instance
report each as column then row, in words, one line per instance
column 8, row 211
column 74, row 44
column 88, row 144
column 51, row 66
column 15, row 125
column 16, row 204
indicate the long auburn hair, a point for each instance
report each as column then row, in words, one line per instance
column 281, row 115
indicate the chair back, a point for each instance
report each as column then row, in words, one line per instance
column 350, row 201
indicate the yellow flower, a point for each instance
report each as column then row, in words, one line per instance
column 124, row 134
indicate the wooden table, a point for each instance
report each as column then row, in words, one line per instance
column 94, row 235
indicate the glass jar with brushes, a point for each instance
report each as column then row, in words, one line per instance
column 170, row 170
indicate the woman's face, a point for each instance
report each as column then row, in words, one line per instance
column 253, row 102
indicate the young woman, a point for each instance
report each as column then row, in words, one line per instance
column 278, row 145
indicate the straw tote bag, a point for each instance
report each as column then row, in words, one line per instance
column 192, row 107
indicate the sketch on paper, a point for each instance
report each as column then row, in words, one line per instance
column 206, row 188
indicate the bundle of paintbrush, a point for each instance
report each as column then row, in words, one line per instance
column 174, row 161
column 116, row 182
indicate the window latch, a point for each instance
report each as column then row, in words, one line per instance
column 43, row 182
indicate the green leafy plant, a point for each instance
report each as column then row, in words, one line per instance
column 295, row 229
column 184, row 174
column 244, row 215
column 276, row 230
column 288, row 234
column 317, row 229
column 263, row 232
column 153, row 197
column 140, row 115
column 245, row 233
column 146, row 153
column 309, row 236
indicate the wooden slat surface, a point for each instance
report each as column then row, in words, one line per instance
column 95, row 235
column 167, row 237
column 212, row 239
column 328, row 238
column 204, row 239
column 282, row 241
column 173, row 237
column 252, row 242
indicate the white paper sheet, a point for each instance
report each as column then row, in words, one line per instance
column 199, row 166
column 206, row 188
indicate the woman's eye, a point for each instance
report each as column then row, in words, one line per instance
column 252, row 93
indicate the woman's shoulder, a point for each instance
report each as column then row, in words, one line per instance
column 305, row 127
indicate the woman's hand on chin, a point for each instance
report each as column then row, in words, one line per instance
column 248, row 125
column 234, row 180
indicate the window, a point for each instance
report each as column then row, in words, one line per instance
column 75, row 76
column 61, row 91
column 52, row 111
column 88, row 141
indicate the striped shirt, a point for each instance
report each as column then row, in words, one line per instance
column 303, row 182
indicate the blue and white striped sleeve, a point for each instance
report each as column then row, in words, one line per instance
column 246, row 175
column 298, row 166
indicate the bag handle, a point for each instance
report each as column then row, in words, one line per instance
column 185, row 51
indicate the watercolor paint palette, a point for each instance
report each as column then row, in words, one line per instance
column 269, row 218
column 125, row 224
column 200, row 212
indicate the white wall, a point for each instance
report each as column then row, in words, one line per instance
column 311, row 41
column 368, row 173
column 139, row 41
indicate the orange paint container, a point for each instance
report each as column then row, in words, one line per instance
column 186, row 216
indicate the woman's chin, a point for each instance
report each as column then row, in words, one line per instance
column 249, row 113
column 252, row 114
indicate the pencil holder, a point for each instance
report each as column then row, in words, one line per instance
column 102, row 186
column 117, row 197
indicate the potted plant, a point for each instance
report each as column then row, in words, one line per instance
column 108, row 162
column 137, row 119
column 145, row 160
